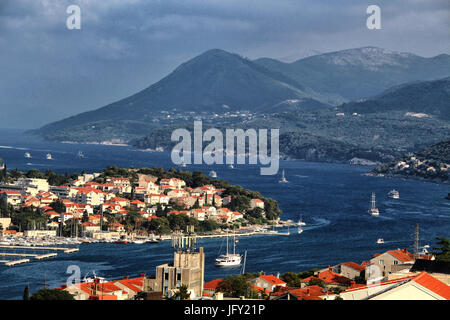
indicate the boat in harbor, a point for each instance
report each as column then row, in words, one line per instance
column 300, row 222
column 394, row 194
column 27, row 155
column 373, row 209
column 229, row 259
column 300, row 229
column 49, row 156
column 380, row 241
column 213, row 174
column 283, row 178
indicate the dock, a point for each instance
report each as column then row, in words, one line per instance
column 10, row 263
column 24, row 256
column 65, row 250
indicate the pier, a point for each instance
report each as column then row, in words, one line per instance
column 36, row 256
column 65, row 250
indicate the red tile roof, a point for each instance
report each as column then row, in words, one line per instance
column 272, row 280
column 354, row 265
column 402, row 255
column 433, row 284
column 212, row 285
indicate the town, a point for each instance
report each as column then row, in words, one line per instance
column 126, row 205
column 391, row 275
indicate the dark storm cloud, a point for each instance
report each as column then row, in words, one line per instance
column 49, row 72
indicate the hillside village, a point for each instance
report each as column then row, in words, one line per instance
column 105, row 207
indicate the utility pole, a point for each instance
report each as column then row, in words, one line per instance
column 416, row 242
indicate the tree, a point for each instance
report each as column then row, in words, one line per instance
column 443, row 253
column 182, row 294
column 26, row 293
column 52, row 294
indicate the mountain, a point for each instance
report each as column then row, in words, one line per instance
column 362, row 72
column 431, row 163
column 215, row 81
column 424, row 97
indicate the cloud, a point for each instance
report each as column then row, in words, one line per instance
column 125, row 45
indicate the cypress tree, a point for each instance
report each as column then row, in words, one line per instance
column 26, row 293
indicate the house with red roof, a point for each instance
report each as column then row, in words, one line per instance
column 12, row 197
column 314, row 292
column 351, row 269
column 209, row 288
column 418, row 287
column 381, row 265
column 329, row 278
column 268, row 282
column 256, row 203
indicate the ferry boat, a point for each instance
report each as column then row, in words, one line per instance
column 27, row 155
column 283, row 178
column 380, row 241
column 229, row 259
column 213, row 174
column 394, row 194
column 49, row 156
column 373, row 209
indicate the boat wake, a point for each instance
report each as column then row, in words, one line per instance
column 319, row 223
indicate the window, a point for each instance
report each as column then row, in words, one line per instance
column 395, row 262
column 381, row 262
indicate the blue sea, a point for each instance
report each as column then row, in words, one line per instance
column 332, row 199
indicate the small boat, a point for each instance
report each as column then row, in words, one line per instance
column 283, row 178
column 183, row 164
column 49, row 156
column 380, row 241
column 27, row 155
column 213, row 174
column 394, row 194
column 231, row 166
column 121, row 241
column 138, row 241
column 80, row 155
column 300, row 230
column 373, row 209
column 300, row 222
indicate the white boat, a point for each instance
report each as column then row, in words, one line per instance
column 27, row 155
column 80, row 155
column 394, row 194
column 229, row 259
column 373, row 209
column 380, row 241
column 48, row 156
column 183, row 164
column 231, row 166
column 300, row 222
column 283, row 178
column 300, row 230
column 213, row 174
column 138, row 241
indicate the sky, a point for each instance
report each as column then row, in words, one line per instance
column 49, row 72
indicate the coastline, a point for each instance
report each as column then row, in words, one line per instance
column 390, row 175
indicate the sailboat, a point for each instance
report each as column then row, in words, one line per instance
column 373, row 209
column 49, row 156
column 300, row 222
column 283, row 178
column 229, row 259
column 300, row 230
column 213, row 174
